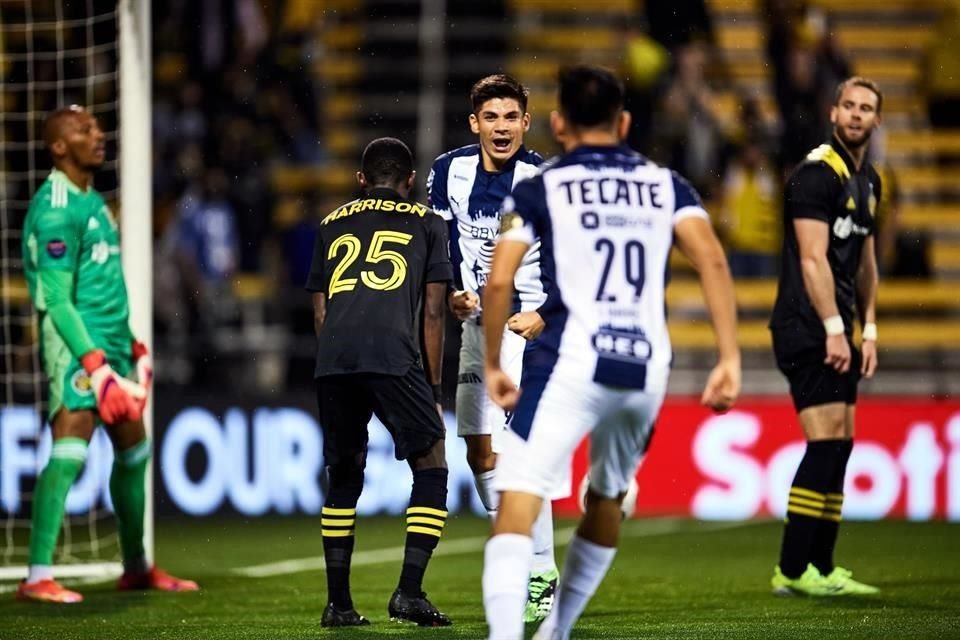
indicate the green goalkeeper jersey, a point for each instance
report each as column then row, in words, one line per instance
column 71, row 260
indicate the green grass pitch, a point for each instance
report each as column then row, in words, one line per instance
column 671, row 579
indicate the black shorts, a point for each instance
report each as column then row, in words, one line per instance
column 812, row 383
column 404, row 405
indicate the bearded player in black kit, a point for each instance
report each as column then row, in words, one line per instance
column 828, row 275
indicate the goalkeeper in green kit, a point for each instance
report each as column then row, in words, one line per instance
column 97, row 370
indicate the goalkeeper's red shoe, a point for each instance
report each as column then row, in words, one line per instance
column 47, row 591
column 156, row 579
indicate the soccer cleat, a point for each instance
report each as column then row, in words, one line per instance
column 156, row 579
column 406, row 607
column 811, row 583
column 541, row 591
column 47, row 591
column 333, row 617
column 842, row 580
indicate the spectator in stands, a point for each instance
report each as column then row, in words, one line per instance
column 942, row 76
column 242, row 151
column 208, row 233
column 687, row 127
column 750, row 219
column 901, row 253
column 678, row 23
column 645, row 73
column 807, row 63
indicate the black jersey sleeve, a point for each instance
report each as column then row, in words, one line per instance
column 877, row 200
column 811, row 192
column 439, row 268
column 317, row 280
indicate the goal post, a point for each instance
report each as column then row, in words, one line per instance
column 133, row 26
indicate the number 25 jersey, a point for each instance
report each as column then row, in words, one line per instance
column 605, row 218
column 372, row 259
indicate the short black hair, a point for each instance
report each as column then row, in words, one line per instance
column 590, row 96
column 499, row 85
column 859, row 81
column 386, row 161
column 53, row 123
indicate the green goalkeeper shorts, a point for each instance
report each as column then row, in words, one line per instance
column 69, row 383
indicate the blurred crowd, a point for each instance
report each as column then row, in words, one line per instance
column 675, row 71
column 675, row 74
column 237, row 95
column 234, row 97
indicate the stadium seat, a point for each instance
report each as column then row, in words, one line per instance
column 899, row 335
column 299, row 179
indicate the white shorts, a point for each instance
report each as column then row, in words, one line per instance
column 556, row 411
column 477, row 414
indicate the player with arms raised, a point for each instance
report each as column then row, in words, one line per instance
column 467, row 187
column 71, row 259
column 605, row 218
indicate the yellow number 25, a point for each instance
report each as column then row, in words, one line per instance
column 375, row 253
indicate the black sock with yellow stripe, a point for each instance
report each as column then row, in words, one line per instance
column 338, row 519
column 426, row 516
column 826, row 537
column 807, row 505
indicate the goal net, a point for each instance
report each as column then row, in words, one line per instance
column 53, row 54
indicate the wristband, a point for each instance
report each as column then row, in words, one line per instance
column 833, row 325
column 870, row 331
column 437, row 393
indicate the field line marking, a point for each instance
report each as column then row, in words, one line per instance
column 473, row 544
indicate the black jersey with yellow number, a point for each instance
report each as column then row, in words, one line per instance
column 372, row 259
column 826, row 186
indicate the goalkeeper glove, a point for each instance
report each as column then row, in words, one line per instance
column 118, row 399
column 143, row 363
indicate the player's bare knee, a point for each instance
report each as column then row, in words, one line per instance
column 433, row 457
column 126, row 434
column 601, row 519
column 594, row 500
column 480, row 455
column 74, row 424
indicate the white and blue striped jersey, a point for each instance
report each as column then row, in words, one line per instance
column 604, row 217
column 469, row 198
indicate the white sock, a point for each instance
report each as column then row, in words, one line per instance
column 489, row 497
column 543, row 559
column 506, row 567
column 548, row 628
column 39, row 572
column 583, row 571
